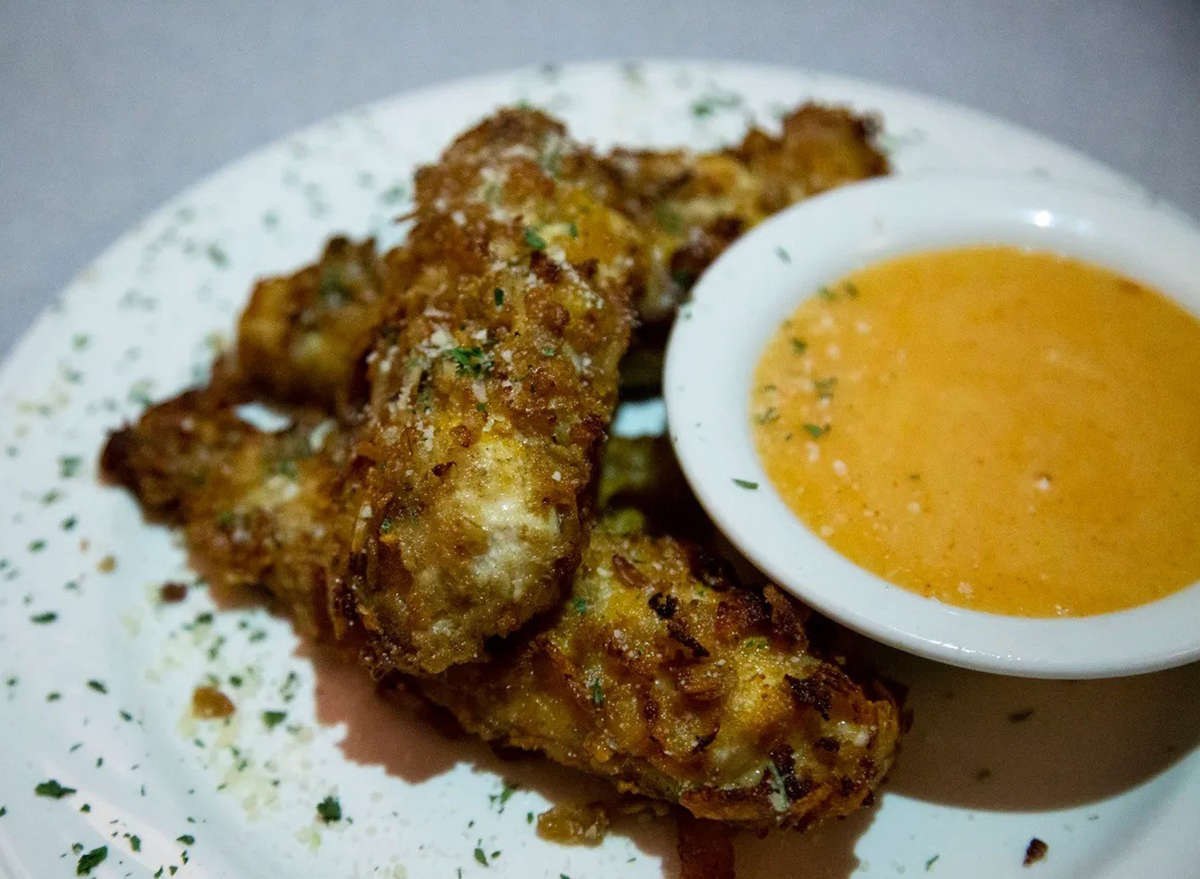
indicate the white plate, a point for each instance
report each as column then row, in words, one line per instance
column 1105, row 772
column 738, row 305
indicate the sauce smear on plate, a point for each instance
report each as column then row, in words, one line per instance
column 1003, row 430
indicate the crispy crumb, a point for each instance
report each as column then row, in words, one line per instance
column 1035, row 851
column 209, row 703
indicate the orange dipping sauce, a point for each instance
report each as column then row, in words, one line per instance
column 1003, row 430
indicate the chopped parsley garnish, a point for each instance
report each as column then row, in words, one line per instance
column 53, row 789
column 783, row 255
column 825, row 293
column 757, row 643
column 330, row 809
column 533, row 239
column 929, row 864
column 548, row 352
column 745, row 483
column 851, row 289
column 480, row 855
column 580, row 605
column 572, row 229
column 597, row 693
column 386, row 525
column 3, row 811
column 767, row 416
column 135, row 843
column 186, row 839
column 68, row 465
column 706, row 106
column 669, row 219
column 98, row 686
column 217, row 255
column 272, row 719
column 91, row 860
column 69, row 523
column 799, row 345
column 816, row 431
column 37, row 545
column 471, row 361
column 499, row 800
column 43, row 618
column 498, row 295
column 825, row 386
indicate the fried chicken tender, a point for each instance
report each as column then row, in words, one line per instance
column 302, row 337
column 490, row 390
column 661, row 675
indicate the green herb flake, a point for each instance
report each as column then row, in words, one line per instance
column 272, row 719
column 69, row 523
column 386, row 525
column 597, row 693
column 481, row 856
column 68, row 466
column 217, row 255
column 3, row 811
column 498, row 296
column 43, row 618
column 929, row 864
column 528, row 817
column 668, row 219
column 757, row 643
column 53, row 697
column 501, row 799
column 470, row 361
column 91, row 860
column 98, row 686
column 533, row 239
column 572, row 229
column 746, row 484
column 825, row 386
column 767, row 416
column 816, row 431
column 135, row 843
column 580, row 605
column 53, row 789
column 329, row 809
column 186, row 839
column 783, row 255
column 851, row 289
column 37, row 545
column 826, row 293
column 799, row 346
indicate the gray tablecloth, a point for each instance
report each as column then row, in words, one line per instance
column 109, row 108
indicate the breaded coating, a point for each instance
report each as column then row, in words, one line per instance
column 691, row 206
column 656, row 671
column 661, row 675
column 490, row 390
column 458, row 506
column 256, row 508
column 301, row 337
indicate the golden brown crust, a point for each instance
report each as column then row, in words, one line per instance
column 662, row 675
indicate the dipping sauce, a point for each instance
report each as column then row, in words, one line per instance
column 998, row 429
